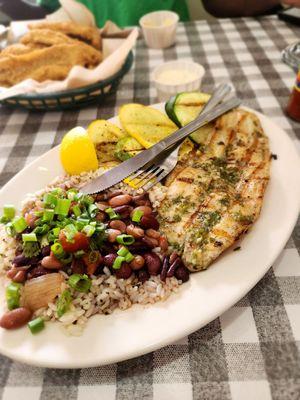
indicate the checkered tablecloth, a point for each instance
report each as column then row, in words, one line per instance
column 252, row 351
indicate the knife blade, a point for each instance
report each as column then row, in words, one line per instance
column 128, row 167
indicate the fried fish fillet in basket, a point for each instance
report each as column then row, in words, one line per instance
column 40, row 38
column 86, row 34
column 53, row 63
column 215, row 194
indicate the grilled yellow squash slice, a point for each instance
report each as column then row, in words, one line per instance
column 105, row 136
column 147, row 125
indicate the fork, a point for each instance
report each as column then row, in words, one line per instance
column 162, row 165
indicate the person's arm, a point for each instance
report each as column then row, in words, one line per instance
column 239, row 8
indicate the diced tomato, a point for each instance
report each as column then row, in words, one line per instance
column 79, row 242
column 92, row 261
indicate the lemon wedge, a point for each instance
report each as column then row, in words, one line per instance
column 77, row 152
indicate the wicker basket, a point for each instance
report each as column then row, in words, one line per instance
column 75, row 98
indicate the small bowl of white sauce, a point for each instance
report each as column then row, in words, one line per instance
column 159, row 28
column 174, row 77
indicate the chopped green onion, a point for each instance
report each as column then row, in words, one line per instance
column 129, row 257
column 57, row 191
column 76, row 210
column 50, row 199
column 38, row 213
column 13, row 295
column 10, row 229
column 44, row 241
column 93, row 210
column 53, row 234
column 137, row 215
column 62, row 207
column 81, row 283
column 31, row 249
column 79, row 253
column 70, row 231
column 63, row 303
column 41, row 230
column 122, row 252
column 57, row 250
column 89, row 230
column 86, row 200
column 36, row 325
column 48, row 215
column 9, row 212
column 118, row 262
column 111, row 213
column 29, row 237
column 71, row 193
column 94, row 256
column 19, row 224
column 66, row 259
column 125, row 239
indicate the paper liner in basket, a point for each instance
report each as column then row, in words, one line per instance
column 115, row 51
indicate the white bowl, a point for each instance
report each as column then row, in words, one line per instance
column 177, row 76
column 159, row 28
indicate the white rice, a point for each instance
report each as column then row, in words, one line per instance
column 107, row 293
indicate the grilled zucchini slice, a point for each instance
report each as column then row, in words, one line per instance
column 184, row 108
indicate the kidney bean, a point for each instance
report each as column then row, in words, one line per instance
column 51, row 262
column 137, row 263
column 118, row 224
column 46, row 250
column 16, row 318
column 112, row 235
column 30, row 219
column 151, row 243
column 173, row 257
column 141, row 199
column 124, row 272
column 109, row 259
column 101, row 216
column 173, row 267
column 135, row 231
column 182, row 273
column 153, row 263
column 20, row 277
column 143, row 275
column 114, row 194
column 123, row 211
column 164, row 269
column 146, row 210
column 152, row 233
column 149, row 221
column 102, row 206
column 21, row 260
column 138, row 247
column 120, row 200
column 152, row 240
column 163, row 243
column 101, row 197
column 12, row 272
column 78, row 266
column 36, row 272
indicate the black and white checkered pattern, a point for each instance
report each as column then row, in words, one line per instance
column 252, row 350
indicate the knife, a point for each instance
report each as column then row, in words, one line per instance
column 128, row 167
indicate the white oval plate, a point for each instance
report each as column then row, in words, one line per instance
column 139, row 330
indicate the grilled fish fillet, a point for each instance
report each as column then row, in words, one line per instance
column 52, row 63
column 215, row 194
column 75, row 31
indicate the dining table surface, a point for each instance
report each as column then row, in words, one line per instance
column 252, row 351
